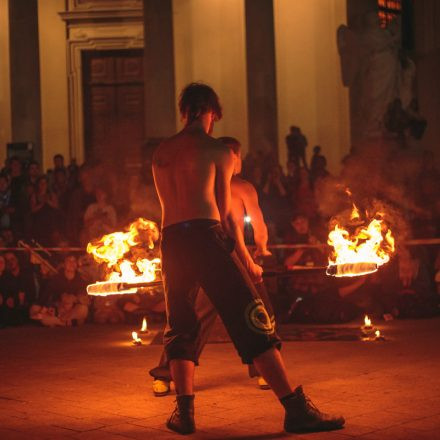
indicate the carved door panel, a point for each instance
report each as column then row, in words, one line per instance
column 113, row 105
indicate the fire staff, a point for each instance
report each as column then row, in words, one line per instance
column 192, row 173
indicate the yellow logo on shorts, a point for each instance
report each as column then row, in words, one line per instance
column 257, row 318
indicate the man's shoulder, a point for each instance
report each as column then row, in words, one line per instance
column 243, row 185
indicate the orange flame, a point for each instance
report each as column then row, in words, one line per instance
column 364, row 250
column 112, row 249
column 367, row 321
column 377, row 333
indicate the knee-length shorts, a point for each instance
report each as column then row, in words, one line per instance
column 198, row 253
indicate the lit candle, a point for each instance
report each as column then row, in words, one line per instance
column 144, row 328
column 367, row 328
column 136, row 339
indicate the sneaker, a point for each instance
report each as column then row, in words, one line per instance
column 262, row 384
column 303, row 416
column 161, row 387
column 182, row 418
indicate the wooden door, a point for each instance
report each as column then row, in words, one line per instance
column 113, row 105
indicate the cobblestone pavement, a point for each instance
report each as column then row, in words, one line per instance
column 90, row 383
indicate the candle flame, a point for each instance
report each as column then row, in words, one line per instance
column 367, row 321
column 377, row 333
column 144, row 325
column 135, row 337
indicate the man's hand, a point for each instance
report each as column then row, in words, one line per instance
column 261, row 252
column 255, row 272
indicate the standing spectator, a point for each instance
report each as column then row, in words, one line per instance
column 6, row 209
column 296, row 146
column 60, row 188
column 99, row 218
column 318, row 167
column 80, row 198
column 19, row 290
column 18, row 199
column 2, row 292
column 33, row 172
column 45, row 212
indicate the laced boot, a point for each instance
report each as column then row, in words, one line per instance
column 303, row 416
column 182, row 418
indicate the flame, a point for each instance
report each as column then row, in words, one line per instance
column 377, row 333
column 367, row 321
column 144, row 325
column 113, row 250
column 365, row 249
column 135, row 337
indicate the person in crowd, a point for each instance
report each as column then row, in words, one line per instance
column 60, row 187
column 300, row 232
column 318, row 166
column 107, row 310
column 33, row 172
column 2, row 292
column 80, row 198
column 6, row 208
column 45, row 212
column 99, row 217
column 18, row 290
column 63, row 301
column 274, row 200
column 296, row 146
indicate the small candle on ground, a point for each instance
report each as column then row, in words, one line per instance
column 136, row 339
column 144, row 328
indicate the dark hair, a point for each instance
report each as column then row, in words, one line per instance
column 198, row 98
column 231, row 142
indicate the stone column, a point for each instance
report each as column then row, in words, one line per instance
column 160, row 102
column 25, row 73
column 261, row 80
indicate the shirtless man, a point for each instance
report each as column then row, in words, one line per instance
column 244, row 202
column 192, row 172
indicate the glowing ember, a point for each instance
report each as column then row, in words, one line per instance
column 125, row 255
column 363, row 250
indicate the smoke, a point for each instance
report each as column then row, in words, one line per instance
column 381, row 177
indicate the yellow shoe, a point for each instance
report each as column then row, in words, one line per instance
column 161, row 387
column 263, row 384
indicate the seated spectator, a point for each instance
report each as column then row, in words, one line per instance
column 63, row 301
column 18, row 290
column 143, row 199
column 99, row 217
column 106, row 310
column 149, row 304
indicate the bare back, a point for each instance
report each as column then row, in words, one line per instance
column 186, row 169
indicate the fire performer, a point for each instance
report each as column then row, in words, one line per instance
column 244, row 202
column 192, row 172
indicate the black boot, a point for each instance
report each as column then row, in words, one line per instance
column 303, row 416
column 182, row 418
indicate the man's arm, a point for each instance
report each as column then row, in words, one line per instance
column 224, row 171
column 253, row 210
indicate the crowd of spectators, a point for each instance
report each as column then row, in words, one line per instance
column 69, row 206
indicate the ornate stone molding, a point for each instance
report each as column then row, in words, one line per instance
column 121, row 29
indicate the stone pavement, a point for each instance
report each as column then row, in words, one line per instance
column 89, row 383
